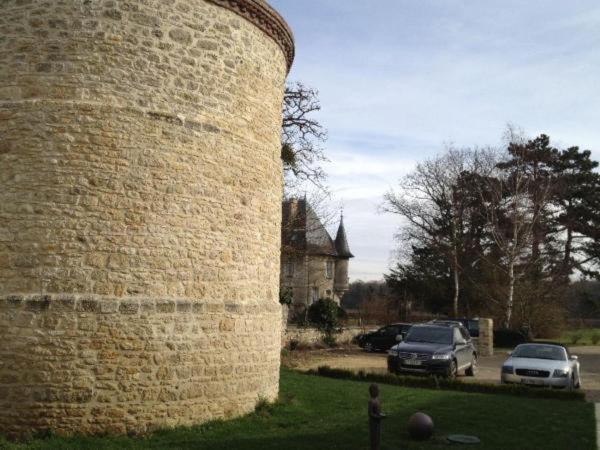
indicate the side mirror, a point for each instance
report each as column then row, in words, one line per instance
column 399, row 338
column 574, row 357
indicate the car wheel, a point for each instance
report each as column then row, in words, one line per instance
column 451, row 371
column 571, row 385
column 368, row 347
column 472, row 369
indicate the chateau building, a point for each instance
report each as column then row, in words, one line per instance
column 313, row 265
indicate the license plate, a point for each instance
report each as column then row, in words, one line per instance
column 412, row 362
column 532, row 381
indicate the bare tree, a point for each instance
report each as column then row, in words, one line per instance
column 429, row 201
column 302, row 136
column 513, row 211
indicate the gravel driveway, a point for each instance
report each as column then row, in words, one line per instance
column 489, row 367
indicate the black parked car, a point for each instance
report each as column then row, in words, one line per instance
column 442, row 348
column 383, row 338
column 472, row 325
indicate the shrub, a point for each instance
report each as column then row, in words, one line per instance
column 447, row 384
column 299, row 317
column 575, row 337
column 595, row 338
column 506, row 338
column 293, row 344
column 325, row 315
column 329, row 340
column 286, row 296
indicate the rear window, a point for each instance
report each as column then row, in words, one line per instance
column 473, row 325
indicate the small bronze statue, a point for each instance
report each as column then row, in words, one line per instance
column 375, row 417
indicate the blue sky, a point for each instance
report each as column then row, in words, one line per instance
column 399, row 79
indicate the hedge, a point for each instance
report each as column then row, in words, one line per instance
column 446, row 384
column 504, row 338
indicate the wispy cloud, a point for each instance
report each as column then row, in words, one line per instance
column 398, row 78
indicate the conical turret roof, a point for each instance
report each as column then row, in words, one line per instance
column 341, row 242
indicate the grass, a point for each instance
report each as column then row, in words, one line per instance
column 581, row 336
column 319, row 413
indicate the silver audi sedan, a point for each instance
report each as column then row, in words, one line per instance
column 542, row 365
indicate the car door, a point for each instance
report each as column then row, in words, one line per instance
column 386, row 337
column 378, row 339
column 404, row 330
column 462, row 350
column 390, row 339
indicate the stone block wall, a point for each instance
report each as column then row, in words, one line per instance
column 308, row 335
column 485, row 342
column 140, row 211
column 106, row 365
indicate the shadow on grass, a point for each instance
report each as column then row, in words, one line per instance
column 327, row 414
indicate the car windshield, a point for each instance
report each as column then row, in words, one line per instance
column 432, row 335
column 540, row 352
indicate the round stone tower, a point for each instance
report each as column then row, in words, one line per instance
column 140, row 210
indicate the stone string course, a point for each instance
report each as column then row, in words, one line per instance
column 267, row 19
column 140, row 209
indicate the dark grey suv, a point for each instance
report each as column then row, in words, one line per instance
column 441, row 348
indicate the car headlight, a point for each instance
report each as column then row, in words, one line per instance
column 507, row 369
column 560, row 373
column 441, row 356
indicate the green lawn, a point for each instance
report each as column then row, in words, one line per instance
column 322, row 413
column 582, row 336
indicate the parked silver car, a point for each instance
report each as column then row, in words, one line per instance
column 542, row 365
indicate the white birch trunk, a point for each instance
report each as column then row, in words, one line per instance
column 456, row 286
column 511, row 291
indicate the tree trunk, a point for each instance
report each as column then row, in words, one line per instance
column 511, row 292
column 566, row 268
column 455, row 266
column 456, row 287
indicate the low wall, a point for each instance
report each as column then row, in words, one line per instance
column 307, row 335
column 484, row 343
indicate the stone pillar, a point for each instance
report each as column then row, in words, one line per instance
column 485, row 343
column 140, row 212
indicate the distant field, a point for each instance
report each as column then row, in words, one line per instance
column 325, row 414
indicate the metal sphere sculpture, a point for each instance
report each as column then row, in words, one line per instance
column 420, row 426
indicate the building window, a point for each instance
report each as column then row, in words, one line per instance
column 314, row 295
column 329, row 269
column 288, row 269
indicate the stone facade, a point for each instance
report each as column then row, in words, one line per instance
column 307, row 278
column 140, row 212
